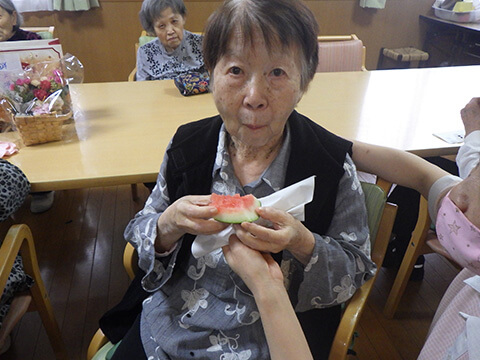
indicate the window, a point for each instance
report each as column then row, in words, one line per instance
column 33, row 5
column 43, row 5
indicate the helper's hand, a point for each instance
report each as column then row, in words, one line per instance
column 471, row 116
column 287, row 233
column 258, row 270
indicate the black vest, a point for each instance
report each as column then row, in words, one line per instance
column 314, row 151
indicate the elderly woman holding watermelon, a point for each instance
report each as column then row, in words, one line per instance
column 261, row 55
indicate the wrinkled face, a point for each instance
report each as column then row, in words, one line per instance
column 466, row 196
column 169, row 29
column 255, row 90
column 7, row 22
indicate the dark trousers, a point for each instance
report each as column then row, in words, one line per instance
column 408, row 206
column 131, row 347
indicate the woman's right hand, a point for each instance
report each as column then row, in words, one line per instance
column 190, row 214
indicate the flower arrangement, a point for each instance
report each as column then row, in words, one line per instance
column 39, row 89
column 37, row 100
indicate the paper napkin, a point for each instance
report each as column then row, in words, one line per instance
column 7, row 149
column 451, row 137
column 291, row 199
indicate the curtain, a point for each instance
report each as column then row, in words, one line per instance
column 32, row 5
column 43, row 5
column 74, row 5
column 376, row 4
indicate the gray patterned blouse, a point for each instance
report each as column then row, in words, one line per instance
column 203, row 310
column 155, row 63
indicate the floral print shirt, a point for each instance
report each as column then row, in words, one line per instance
column 203, row 309
column 155, row 63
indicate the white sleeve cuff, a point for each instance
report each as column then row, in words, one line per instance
column 469, row 154
column 438, row 188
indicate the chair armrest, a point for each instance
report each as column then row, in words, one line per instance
column 98, row 340
column 350, row 318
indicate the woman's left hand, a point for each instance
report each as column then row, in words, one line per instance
column 287, row 233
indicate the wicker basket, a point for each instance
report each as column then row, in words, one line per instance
column 40, row 129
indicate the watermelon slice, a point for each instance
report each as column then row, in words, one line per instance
column 235, row 209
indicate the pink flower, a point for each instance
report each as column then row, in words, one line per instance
column 12, row 87
column 19, row 82
column 26, row 81
column 45, row 85
column 42, row 109
column 40, row 94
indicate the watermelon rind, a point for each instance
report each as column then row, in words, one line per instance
column 244, row 215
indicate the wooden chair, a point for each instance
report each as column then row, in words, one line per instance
column 19, row 240
column 99, row 345
column 143, row 39
column 340, row 53
column 381, row 216
column 46, row 32
column 423, row 241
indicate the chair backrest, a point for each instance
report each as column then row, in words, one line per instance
column 381, row 216
column 145, row 38
column 19, row 239
column 130, row 260
column 46, row 32
column 340, row 53
column 375, row 201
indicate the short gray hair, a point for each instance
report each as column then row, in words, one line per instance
column 10, row 8
column 151, row 10
column 280, row 22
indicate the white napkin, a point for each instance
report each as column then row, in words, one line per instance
column 7, row 149
column 291, row 199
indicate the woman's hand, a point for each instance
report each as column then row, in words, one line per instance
column 287, row 233
column 471, row 116
column 189, row 214
column 258, row 270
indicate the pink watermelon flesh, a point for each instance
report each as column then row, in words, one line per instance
column 235, row 209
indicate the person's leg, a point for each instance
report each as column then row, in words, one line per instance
column 131, row 347
column 18, row 308
column 407, row 214
column 41, row 201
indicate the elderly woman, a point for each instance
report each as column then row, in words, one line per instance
column 176, row 51
column 261, row 56
column 13, row 304
column 10, row 22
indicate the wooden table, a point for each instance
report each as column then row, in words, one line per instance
column 122, row 129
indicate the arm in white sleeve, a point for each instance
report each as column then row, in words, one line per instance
column 469, row 154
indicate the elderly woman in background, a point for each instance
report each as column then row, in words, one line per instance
column 176, row 51
column 10, row 22
column 262, row 55
column 14, row 188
